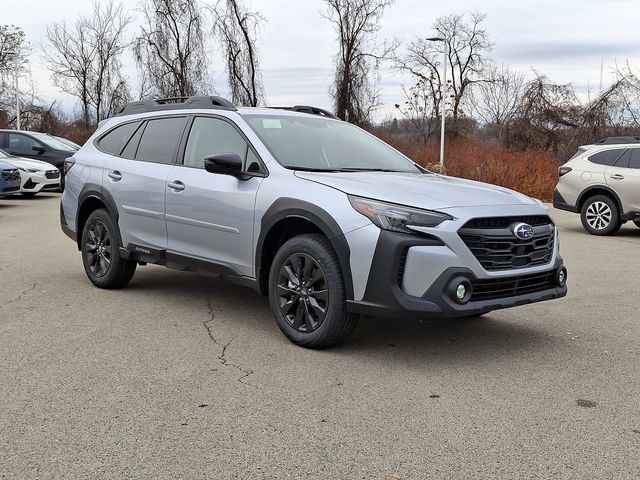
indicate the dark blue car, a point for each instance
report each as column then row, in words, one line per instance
column 9, row 180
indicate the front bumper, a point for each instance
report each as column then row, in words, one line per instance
column 415, row 276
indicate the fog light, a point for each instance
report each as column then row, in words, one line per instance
column 461, row 291
column 562, row 276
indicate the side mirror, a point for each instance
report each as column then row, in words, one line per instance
column 38, row 149
column 224, row 163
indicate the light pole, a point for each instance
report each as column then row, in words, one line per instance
column 15, row 58
column 442, row 96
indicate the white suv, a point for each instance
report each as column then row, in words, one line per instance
column 323, row 217
column 602, row 183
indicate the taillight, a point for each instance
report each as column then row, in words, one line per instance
column 563, row 171
column 68, row 163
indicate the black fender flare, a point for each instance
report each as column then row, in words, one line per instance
column 294, row 208
column 611, row 191
column 93, row 190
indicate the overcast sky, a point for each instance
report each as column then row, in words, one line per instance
column 564, row 39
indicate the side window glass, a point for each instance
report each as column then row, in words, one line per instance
column 132, row 145
column 20, row 142
column 608, row 157
column 623, row 161
column 634, row 161
column 212, row 136
column 115, row 140
column 160, row 139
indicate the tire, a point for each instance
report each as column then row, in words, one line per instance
column 600, row 215
column 312, row 314
column 28, row 194
column 637, row 223
column 100, row 248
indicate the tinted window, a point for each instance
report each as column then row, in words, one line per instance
column 608, row 157
column 114, row 141
column 132, row 145
column 18, row 141
column 211, row 136
column 623, row 161
column 160, row 139
column 634, row 161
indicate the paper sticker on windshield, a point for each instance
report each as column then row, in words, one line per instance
column 271, row 123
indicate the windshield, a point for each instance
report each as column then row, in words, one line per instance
column 52, row 142
column 311, row 143
column 73, row 145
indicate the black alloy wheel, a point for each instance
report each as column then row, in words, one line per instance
column 302, row 292
column 98, row 249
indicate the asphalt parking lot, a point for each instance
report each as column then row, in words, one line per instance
column 181, row 376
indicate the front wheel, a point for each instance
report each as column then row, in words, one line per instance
column 101, row 252
column 637, row 223
column 307, row 293
column 600, row 215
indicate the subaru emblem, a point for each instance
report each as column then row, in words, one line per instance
column 523, row 231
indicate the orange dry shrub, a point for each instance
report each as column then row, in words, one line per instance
column 531, row 172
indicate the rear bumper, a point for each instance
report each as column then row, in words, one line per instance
column 65, row 228
column 560, row 203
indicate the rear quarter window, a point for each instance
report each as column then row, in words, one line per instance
column 114, row 141
column 607, row 157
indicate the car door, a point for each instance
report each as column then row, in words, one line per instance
column 624, row 178
column 136, row 179
column 211, row 216
column 22, row 145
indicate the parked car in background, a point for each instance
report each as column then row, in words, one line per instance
column 9, row 179
column 324, row 218
column 38, row 146
column 602, row 183
column 73, row 145
column 35, row 175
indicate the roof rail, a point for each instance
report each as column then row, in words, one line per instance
column 308, row 109
column 618, row 140
column 176, row 103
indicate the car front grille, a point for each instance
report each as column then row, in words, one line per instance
column 493, row 242
column 495, row 288
column 11, row 175
column 51, row 174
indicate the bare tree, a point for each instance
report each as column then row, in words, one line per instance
column 170, row 47
column 13, row 48
column 237, row 29
column 496, row 100
column 467, row 43
column 420, row 109
column 355, row 88
column 84, row 59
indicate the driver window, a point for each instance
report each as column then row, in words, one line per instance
column 212, row 136
column 21, row 142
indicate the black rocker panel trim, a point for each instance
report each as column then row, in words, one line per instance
column 293, row 208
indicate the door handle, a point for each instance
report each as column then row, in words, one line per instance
column 176, row 185
column 617, row 176
column 115, row 175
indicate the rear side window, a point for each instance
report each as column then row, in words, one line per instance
column 160, row 140
column 114, row 141
column 608, row 157
column 634, row 161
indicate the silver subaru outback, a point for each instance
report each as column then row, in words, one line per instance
column 328, row 221
column 602, row 183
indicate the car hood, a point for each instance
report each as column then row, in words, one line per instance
column 28, row 163
column 429, row 191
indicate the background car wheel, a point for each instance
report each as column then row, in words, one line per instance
column 600, row 215
column 307, row 294
column 101, row 254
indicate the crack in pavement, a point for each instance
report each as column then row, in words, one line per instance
column 24, row 292
column 222, row 356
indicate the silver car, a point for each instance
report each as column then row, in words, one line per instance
column 602, row 183
column 328, row 221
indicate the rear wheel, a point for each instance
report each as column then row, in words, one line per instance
column 307, row 293
column 600, row 215
column 101, row 252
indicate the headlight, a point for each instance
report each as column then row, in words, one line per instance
column 397, row 218
column 30, row 170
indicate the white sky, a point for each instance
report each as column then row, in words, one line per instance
column 564, row 39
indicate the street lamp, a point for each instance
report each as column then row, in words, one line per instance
column 15, row 57
column 442, row 95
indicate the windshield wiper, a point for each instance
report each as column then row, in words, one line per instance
column 313, row 169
